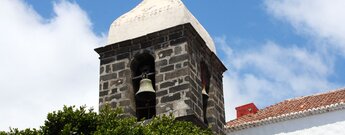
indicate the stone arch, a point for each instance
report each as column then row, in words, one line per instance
column 143, row 62
column 205, row 85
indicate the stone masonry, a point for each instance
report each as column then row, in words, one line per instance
column 177, row 52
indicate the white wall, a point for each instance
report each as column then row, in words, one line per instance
column 331, row 123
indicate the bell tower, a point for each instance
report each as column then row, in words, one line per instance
column 160, row 60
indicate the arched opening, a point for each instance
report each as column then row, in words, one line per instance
column 205, row 85
column 143, row 69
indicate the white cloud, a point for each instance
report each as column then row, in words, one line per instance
column 45, row 63
column 271, row 73
column 323, row 20
column 268, row 73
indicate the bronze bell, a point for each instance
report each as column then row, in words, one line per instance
column 146, row 91
column 204, row 93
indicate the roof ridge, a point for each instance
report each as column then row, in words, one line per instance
column 302, row 97
column 316, row 94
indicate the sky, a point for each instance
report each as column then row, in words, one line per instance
column 273, row 49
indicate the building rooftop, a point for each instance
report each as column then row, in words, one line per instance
column 291, row 109
column 155, row 15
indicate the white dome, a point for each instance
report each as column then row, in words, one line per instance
column 152, row 16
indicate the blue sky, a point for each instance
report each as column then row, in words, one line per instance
column 274, row 50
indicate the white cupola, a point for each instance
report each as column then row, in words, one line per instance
column 152, row 16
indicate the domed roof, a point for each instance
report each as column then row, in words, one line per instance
column 152, row 16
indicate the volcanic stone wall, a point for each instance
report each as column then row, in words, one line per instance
column 177, row 53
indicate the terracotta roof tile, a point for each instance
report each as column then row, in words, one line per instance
column 292, row 106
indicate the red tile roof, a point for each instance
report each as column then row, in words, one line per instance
column 291, row 106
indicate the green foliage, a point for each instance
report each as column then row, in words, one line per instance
column 113, row 122
column 16, row 131
column 70, row 120
column 167, row 125
column 79, row 121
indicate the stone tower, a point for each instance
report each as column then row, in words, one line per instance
column 163, row 39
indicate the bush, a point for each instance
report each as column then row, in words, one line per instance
column 80, row 121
